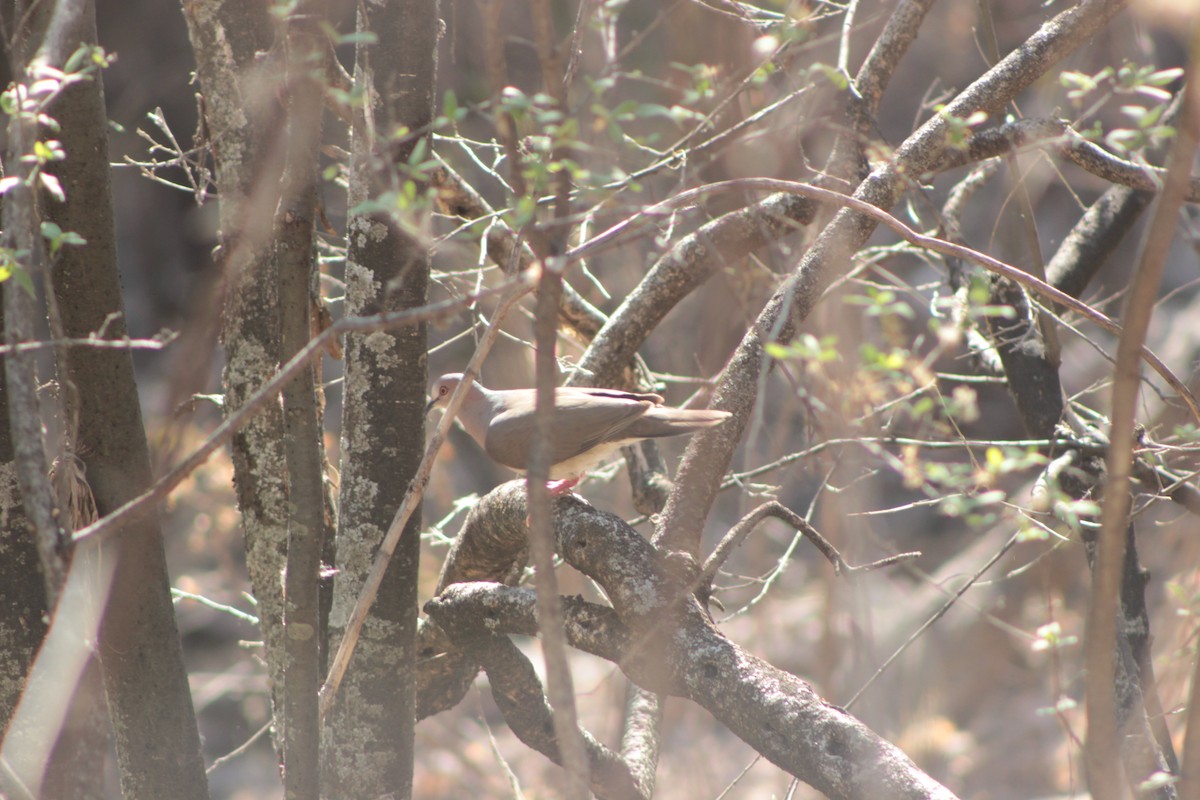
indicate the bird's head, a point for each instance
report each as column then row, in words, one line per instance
column 442, row 389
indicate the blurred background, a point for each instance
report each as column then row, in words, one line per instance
column 979, row 701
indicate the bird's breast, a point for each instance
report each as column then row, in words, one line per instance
column 578, row 465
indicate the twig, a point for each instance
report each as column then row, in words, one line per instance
column 549, row 245
column 241, row 749
column 236, row 613
column 936, row 616
column 1089, row 156
column 742, row 529
column 843, row 59
column 115, row 344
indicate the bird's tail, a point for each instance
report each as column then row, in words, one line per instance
column 675, row 421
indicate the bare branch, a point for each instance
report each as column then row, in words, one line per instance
column 746, row 525
column 1027, row 133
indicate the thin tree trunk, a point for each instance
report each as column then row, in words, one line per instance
column 368, row 739
column 239, row 89
column 158, row 744
column 295, row 262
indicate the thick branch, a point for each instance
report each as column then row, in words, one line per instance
column 518, row 693
column 673, row 647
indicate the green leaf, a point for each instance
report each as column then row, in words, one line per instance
column 777, row 351
column 358, row 37
column 419, row 151
column 76, row 58
column 57, row 237
column 831, row 74
column 23, row 279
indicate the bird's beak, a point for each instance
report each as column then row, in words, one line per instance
column 429, row 406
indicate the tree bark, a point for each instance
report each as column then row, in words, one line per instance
column 244, row 131
column 158, row 744
column 368, row 737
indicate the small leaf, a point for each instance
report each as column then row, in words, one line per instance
column 777, row 351
column 76, row 59
column 358, row 37
column 833, row 75
column 23, row 279
column 52, row 186
column 1163, row 76
column 420, row 149
column 44, row 87
column 1151, row 117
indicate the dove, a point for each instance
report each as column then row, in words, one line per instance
column 589, row 424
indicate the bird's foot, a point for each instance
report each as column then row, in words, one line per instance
column 562, row 486
column 556, row 488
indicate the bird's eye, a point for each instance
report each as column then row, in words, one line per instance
column 442, row 390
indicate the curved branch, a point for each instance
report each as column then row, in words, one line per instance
column 685, row 267
column 872, row 79
column 518, row 693
column 1104, row 738
column 774, row 508
column 1094, row 238
column 732, row 236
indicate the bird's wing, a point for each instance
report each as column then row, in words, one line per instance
column 583, row 420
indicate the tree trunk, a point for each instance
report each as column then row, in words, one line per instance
column 158, row 745
column 368, row 739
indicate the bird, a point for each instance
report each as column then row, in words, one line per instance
column 589, row 424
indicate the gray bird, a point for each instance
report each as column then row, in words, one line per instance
column 589, row 424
